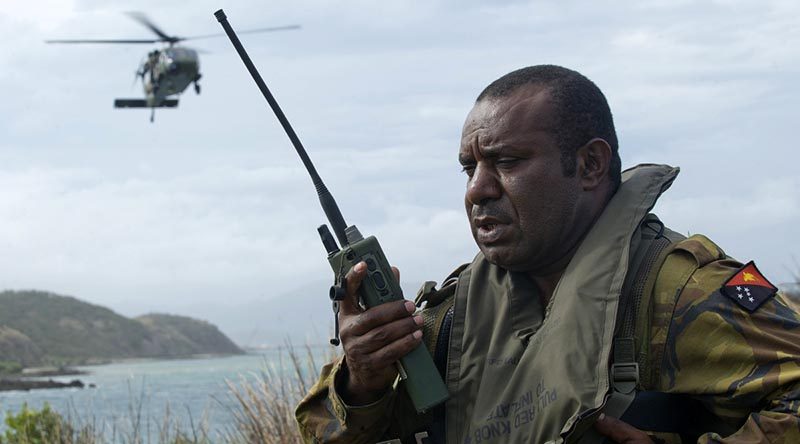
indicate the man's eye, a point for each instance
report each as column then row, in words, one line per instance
column 506, row 161
column 469, row 169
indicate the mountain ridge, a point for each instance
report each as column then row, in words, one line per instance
column 44, row 328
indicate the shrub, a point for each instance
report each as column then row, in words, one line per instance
column 31, row 426
column 10, row 367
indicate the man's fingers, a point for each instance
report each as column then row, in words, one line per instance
column 378, row 316
column 392, row 353
column 384, row 335
column 620, row 432
column 353, row 280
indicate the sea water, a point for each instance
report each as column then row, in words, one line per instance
column 189, row 391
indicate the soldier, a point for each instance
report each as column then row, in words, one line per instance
column 582, row 318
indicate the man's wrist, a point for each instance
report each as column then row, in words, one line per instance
column 354, row 394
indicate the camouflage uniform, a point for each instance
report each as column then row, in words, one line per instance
column 745, row 367
column 742, row 366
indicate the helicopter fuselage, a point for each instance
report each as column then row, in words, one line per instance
column 167, row 72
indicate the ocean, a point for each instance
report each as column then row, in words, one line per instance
column 190, row 390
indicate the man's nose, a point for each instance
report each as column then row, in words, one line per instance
column 483, row 185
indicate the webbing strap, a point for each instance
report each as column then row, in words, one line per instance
column 667, row 413
column 624, row 369
column 624, row 373
column 624, row 378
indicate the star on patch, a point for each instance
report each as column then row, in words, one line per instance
column 750, row 281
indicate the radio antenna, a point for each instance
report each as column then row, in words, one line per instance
column 325, row 198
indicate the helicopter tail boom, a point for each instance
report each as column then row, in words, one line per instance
column 142, row 103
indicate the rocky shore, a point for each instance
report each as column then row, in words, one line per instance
column 7, row 384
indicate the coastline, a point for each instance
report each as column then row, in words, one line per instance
column 32, row 378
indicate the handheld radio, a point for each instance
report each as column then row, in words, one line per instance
column 423, row 383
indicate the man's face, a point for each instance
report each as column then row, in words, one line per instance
column 521, row 208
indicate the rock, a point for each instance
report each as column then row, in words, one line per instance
column 32, row 384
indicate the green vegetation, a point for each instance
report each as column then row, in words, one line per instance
column 43, row 426
column 263, row 413
column 39, row 328
column 10, row 367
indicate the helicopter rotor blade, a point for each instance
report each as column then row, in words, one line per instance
column 249, row 31
column 149, row 41
column 147, row 23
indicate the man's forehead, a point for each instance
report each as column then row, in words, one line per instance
column 527, row 107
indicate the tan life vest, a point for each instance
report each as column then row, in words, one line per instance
column 517, row 375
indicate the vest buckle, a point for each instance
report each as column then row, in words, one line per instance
column 625, row 376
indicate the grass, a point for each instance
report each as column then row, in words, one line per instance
column 266, row 402
column 262, row 409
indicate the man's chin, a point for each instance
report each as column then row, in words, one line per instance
column 506, row 258
column 498, row 255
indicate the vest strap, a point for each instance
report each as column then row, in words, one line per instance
column 625, row 369
column 624, row 379
column 624, row 375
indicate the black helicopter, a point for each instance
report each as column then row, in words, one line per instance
column 168, row 71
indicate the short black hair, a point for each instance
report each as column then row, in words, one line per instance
column 582, row 111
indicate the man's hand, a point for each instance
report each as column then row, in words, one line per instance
column 620, row 432
column 373, row 340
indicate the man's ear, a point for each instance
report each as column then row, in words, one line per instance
column 594, row 160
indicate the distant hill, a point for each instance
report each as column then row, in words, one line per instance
column 17, row 351
column 40, row 328
column 184, row 336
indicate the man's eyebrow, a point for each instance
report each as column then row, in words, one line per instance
column 491, row 151
column 495, row 150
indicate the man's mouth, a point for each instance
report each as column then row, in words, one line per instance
column 488, row 229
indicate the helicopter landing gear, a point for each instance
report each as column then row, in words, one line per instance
column 197, row 85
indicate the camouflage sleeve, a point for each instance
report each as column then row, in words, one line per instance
column 323, row 417
column 744, row 367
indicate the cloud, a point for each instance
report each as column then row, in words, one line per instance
column 43, row 14
column 211, row 202
column 767, row 204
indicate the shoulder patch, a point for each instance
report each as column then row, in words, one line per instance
column 748, row 287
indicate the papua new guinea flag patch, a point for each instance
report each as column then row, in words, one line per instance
column 748, row 287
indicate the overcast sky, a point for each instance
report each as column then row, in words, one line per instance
column 208, row 212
